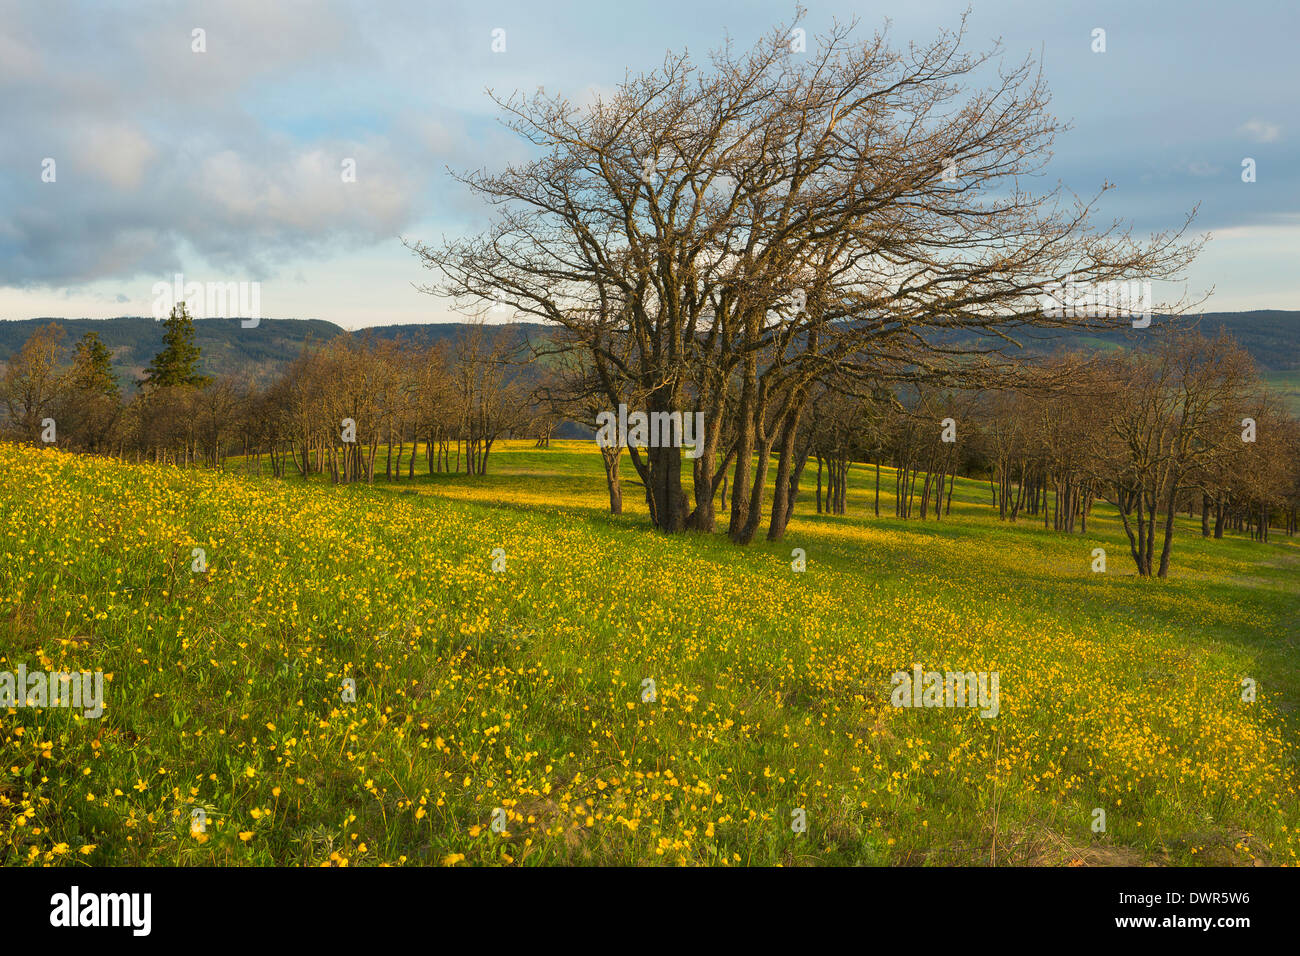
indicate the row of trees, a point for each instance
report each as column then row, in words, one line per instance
column 330, row 412
column 1183, row 425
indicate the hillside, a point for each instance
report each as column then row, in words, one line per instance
column 351, row 682
column 228, row 349
column 1272, row 337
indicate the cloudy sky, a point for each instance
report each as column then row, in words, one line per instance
column 225, row 165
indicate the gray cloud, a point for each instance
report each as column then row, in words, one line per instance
column 159, row 149
column 233, row 156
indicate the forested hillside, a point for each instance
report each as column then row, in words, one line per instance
column 1272, row 337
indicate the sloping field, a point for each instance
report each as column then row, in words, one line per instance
column 351, row 683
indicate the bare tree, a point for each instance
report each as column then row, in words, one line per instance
column 34, row 380
column 750, row 228
column 1162, row 406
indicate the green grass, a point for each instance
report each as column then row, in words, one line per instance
column 1286, row 384
column 522, row 691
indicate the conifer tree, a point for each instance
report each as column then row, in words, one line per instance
column 178, row 362
column 92, row 367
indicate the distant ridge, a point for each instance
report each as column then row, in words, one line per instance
column 1271, row 336
column 228, row 348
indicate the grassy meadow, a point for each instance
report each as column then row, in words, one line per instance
column 499, row 716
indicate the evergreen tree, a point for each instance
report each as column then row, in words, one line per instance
column 178, row 362
column 92, row 367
